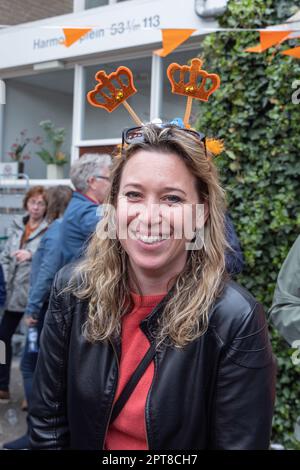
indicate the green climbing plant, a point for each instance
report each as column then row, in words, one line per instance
column 254, row 113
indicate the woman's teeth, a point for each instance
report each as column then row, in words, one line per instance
column 149, row 240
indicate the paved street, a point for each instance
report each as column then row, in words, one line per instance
column 12, row 419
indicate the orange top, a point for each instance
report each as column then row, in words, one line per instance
column 27, row 232
column 128, row 431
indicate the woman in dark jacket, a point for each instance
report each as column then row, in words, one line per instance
column 154, row 290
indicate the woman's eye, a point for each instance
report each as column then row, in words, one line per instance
column 133, row 195
column 172, row 198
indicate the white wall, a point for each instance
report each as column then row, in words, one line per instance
column 26, row 106
column 100, row 124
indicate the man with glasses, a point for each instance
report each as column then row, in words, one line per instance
column 90, row 177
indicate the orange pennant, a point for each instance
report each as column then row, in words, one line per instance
column 172, row 38
column 268, row 39
column 294, row 52
column 73, row 34
column 257, row 48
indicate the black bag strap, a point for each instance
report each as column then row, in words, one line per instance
column 132, row 382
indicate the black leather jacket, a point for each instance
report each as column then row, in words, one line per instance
column 216, row 393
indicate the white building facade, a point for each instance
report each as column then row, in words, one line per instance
column 43, row 79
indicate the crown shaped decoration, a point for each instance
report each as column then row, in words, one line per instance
column 192, row 87
column 112, row 89
column 193, row 82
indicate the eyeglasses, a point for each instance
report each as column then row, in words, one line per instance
column 36, row 203
column 134, row 135
column 100, row 177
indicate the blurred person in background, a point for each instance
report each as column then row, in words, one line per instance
column 42, row 274
column 285, row 310
column 24, row 236
column 90, row 177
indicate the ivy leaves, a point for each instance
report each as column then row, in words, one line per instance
column 254, row 113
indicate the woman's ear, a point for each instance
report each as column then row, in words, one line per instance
column 91, row 182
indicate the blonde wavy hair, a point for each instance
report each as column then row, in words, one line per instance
column 103, row 274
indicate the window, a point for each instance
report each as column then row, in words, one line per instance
column 32, row 99
column 99, row 123
column 95, row 3
column 99, row 3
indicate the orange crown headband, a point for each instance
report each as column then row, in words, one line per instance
column 120, row 87
column 193, row 88
column 114, row 89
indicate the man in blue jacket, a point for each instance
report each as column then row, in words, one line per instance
column 90, row 177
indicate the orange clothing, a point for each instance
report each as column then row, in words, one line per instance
column 128, row 431
column 27, row 232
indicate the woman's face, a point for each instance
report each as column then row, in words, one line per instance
column 157, row 196
column 36, row 207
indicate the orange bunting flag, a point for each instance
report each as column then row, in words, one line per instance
column 268, row 39
column 294, row 52
column 256, row 48
column 172, row 38
column 74, row 34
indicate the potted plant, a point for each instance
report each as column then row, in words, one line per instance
column 17, row 151
column 53, row 157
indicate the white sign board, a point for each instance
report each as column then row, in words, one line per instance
column 117, row 26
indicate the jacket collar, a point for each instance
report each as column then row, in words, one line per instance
column 21, row 221
column 84, row 197
column 40, row 229
column 150, row 322
column 25, row 219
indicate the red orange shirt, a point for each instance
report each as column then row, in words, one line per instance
column 128, row 431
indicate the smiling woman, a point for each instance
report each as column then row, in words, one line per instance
column 150, row 243
column 182, row 352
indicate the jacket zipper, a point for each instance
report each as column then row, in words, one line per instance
column 146, row 406
column 116, row 384
column 148, row 395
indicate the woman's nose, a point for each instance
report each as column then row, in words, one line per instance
column 149, row 213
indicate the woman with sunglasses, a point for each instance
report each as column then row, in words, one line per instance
column 147, row 343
